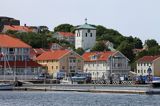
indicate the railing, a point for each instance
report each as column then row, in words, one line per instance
column 119, row 68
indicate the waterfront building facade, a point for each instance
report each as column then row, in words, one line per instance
column 106, row 64
column 85, row 36
column 61, row 60
column 148, row 61
column 15, row 59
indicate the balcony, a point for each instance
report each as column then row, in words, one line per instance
column 119, row 68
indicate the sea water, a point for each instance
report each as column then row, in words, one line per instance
column 37, row 98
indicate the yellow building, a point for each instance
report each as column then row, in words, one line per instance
column 61, row 60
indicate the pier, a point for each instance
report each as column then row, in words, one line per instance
column 92, row 88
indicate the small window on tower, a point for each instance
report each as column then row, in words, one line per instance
column 86, row 34
column 91, row 34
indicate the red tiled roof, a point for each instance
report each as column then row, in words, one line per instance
column 18, row 28
column 102, row 56
column 66, row 34
column 53, row 55
column 20, row 64
column 148, row 58
column 8, row 41
column 38, row 51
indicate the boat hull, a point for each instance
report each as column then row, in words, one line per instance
column 156, row 85
column 6, row 86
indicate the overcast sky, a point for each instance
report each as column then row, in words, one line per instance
column 139, row 18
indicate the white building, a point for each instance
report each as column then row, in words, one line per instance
column 105, row 64
column 85, row 36
column 68, row 36
column 148, row 61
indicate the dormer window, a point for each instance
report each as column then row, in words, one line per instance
column 94, row 57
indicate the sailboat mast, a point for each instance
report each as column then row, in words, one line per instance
column 4, row 67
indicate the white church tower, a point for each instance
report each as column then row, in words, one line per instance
column 85, row 36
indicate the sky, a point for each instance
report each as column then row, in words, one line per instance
column 138, row 18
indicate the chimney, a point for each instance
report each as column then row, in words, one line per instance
column 25, row 25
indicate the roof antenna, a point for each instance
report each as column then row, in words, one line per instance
column 85, row 20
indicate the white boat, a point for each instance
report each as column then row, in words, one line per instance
column 65, row 81
column 6, row 86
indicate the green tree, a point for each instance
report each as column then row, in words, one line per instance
column 100, row 30
column 138, row 43
column 36, row 40
column 80, row 51
column 151, row 43
column 43, row 29
column 64, row 28
column 126, row 48
column 99, row 46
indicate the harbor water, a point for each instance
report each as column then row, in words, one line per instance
column 37, row 98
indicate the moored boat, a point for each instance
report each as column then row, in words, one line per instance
column 66, row 81
column 156, row 82
column 6, row 86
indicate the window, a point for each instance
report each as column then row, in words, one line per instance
column 89, row 30
column 52, row 67
column 74, row 61
column 86, row 34
column 77, row 34
column 144, row 64
column 91, row 34
column 56, row 67
column 70, row 67
column 138, row 71
column 11, row 51
column 63, row 67
column 144, row 71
